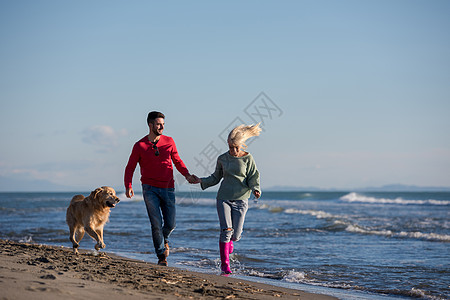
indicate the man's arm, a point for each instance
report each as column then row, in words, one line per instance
column 179, row 164
column 129, row 170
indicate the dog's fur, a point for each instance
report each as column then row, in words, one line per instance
column 90, row 214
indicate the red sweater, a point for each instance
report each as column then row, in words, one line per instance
column 156, row 171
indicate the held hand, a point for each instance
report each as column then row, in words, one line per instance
column 129, row 193
column 196, row 179
column 192, row 179
column 257, row 194
column 189, row 178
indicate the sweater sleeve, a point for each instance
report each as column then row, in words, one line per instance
column 179, row 164
column 253, row 176
column 131, row 166
column 214, row 178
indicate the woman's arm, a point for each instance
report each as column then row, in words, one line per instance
column 212, row 179
column 253, row 178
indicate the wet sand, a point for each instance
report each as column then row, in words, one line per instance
column 31, row 271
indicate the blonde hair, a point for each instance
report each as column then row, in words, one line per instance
column 241, row 133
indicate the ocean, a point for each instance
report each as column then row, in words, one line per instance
column 353, row 245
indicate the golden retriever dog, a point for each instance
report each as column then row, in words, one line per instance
column 90, row 214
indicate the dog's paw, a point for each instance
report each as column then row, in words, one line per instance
column 99, row 246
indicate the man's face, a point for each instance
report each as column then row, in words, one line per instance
column 157, row 127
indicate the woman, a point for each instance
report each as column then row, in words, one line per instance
column 240, row 178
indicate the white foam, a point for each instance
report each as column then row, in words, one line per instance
column 136, row 197
column 316, row 213
column 263, row 206
column 294, row 276
column 359, row 229
column 389, row 233
column 418, row 293
column 196, row 201
column 256, row 273
column 427, row 236
column 276, row 209
column 355, row 197
column 26, row 239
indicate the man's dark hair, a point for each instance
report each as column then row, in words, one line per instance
column 154, row 115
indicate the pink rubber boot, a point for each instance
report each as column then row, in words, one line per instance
column 225, row 257
column 231, row 246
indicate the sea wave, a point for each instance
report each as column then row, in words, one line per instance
column 182, row 199
column 316, row 213
column 294, row 276
column 402, row 234
column 418, row 293
column 355, row 197
column 344, row 223
column 26, row 239
column 136, row 197
column 192, row 201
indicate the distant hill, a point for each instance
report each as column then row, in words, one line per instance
column 285, row 188
column 384, row 188
column 405, row 188
column 24, row 185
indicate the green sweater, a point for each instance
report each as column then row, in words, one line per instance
column 240, row 177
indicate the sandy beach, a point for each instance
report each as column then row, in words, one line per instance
column 32, row 271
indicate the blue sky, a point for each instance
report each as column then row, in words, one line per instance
column 359, row 90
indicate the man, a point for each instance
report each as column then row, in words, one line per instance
column 155, row 153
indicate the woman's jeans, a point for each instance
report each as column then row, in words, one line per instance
column 231, row 215
column 157, row 201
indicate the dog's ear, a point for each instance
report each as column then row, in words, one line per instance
column 94, row 193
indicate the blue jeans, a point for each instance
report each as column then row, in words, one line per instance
column 160, row 203
column 231, row 216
